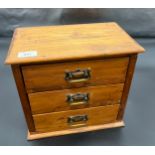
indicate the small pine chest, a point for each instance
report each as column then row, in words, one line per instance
column 72, row 78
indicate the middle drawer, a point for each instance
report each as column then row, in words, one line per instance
column 67, row 99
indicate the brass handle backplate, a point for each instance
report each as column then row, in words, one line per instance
column 78, row 120
column 77, row 76
column 78, row 99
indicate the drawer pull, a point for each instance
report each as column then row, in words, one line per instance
column 77, row 75
column 77, row 121
column 78, row 99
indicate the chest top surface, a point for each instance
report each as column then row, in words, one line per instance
column 58, row 43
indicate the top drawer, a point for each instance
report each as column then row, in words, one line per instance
column 43, row 77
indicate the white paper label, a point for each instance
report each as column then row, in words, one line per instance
column 27, row 54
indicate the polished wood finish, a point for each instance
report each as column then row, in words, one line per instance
column 52, row 101
column 38, row 135
column 127, row 84
column 52, row 76
column 72, row 78
column 23, row 96
column 58, row 120
column 71, row 42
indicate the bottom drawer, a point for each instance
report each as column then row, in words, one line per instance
column 75, row 118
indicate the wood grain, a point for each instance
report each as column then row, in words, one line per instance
column 58, row 120
column 38, row 135
column 104, row 48
column 23, row 97
column 52, row 101
column 52, row 76
column 129, row 76
column 68, row 42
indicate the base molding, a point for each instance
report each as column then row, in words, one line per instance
column 36, row 135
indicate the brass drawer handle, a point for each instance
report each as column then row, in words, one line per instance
column 78, row 120
column 78, row 99
column 77, row 76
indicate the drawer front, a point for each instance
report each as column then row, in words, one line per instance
column 74, row 74
column 68, row 99
column 75, row 118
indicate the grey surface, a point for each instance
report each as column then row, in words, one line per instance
column 139, row 116
column 137, row 22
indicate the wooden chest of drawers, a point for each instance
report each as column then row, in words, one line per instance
column 72, row 78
